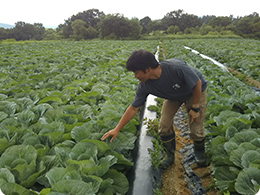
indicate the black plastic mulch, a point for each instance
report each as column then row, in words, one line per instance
column 193, row 181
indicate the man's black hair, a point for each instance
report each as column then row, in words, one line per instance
column 141, row 60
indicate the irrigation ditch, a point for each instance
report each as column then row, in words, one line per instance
column 184, row 176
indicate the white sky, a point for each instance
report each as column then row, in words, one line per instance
column 54, row 12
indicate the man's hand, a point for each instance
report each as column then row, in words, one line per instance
column 193, row 116
column 127, row 116
column 114, row 133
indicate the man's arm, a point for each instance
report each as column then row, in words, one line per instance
column 128, row 115
column 196, row 99
column 196, row 94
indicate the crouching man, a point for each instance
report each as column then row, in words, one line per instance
column 177, row 83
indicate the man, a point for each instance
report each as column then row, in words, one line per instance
column 176, row 82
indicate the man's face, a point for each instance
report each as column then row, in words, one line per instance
column 141, row 75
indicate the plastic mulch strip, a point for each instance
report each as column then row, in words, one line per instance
column 143, row 178
column 193, row 181
column 222, row 66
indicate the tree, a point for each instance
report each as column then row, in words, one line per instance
column 90, row 17
column 79, row 29
column 189, row 21
column 172, row 18
column 39, row 31
column 117, row 26
column 135, row 28
column 144, row 23
column 205, row 29
column 180, row 19
column 5, row 33
column 81, row 32
column 245, row 26
column 191, row 30
column 206, row 19
column 155, row 25
column 91, row 33
column 51, row 34
column 249, row 26
column 220, row 21
column 65, row 29
column 256, row 28
column 173, row 30
column 23, row 31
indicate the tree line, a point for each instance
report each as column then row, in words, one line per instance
column 93, row 23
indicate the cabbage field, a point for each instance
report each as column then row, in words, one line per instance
column 58, row 98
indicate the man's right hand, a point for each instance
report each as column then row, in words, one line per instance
column 114, row 133
column 127, row 116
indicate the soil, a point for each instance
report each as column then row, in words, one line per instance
column 246, row 79
column 173, row 177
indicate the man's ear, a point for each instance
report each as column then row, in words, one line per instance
column 147, row 70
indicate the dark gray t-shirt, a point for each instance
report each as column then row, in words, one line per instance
column 176, row 82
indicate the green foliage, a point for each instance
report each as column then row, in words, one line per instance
column 153, row 108
column 157, row 191
column 144, row 23
column 79, row 29
column 26, row 31
column 81, row 32
column 173, row 29
column 158, row 151
column 174, row 22
column 248, row 181
column 118, row 27
column 21, row 161
column 57, row 99
column 241, row 55
column 220, row 21
column 51, row 34
column 180, row 19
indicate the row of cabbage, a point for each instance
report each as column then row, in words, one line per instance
column 239, row 54
column 232, row 124
column 57, row 99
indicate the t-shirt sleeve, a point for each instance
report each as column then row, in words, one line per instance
column 140, row 96
column 189, row 77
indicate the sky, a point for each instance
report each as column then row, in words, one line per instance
column 54, row 12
